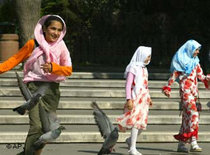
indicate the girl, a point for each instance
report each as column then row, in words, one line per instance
column 138, row 99
column 47, row 62
column 185, row 66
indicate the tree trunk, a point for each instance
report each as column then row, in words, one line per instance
column 28, row 13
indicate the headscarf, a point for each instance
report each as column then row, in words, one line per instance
column 51, row 51
column 183, row 60
column 137, row 61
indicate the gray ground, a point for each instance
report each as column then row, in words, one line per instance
column 92, row 148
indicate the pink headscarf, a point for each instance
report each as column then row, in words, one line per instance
column 52, row 52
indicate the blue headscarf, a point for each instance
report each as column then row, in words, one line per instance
column 183, row 59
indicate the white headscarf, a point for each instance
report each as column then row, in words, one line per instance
column 137, row 61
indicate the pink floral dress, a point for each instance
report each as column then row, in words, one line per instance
column 138, row 116
column 189, row 95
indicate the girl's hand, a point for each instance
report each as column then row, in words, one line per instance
column 47, row 67
column 208, row 77
column 150, row 103
column 167, row 93
column 129, row 104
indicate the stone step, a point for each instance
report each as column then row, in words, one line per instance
column 101, row 99
column 116, row 112
column 95, row 75
column 96, row 83
column 94, row 137
column 94, row 127
column 103, row 92
column 107, row 111
column 89, row 119
column 69, row 103
column 107, row 89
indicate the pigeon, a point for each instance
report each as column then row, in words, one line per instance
column 49, row 120
column 23, row 88
column 27, row 105
column 44, row 118
column 31, row 99
column 48, row 137
column 107, row 130
column 50, row 126
column 50, row 123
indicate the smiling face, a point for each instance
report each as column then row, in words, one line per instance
column 53, row 31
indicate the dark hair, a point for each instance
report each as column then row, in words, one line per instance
column 49, row 20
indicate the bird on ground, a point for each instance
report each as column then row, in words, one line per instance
column 108, row 131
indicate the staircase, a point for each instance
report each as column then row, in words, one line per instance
column 107, row 89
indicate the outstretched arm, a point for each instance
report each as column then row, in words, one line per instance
column 167, row 89
column 17, row 58
column 201, row 76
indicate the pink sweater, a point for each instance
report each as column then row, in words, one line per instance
column 55, row 53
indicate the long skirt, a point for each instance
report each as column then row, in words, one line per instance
column 138, row 116
column 190, row 119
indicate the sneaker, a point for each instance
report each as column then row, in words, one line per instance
column 195, row 148
column 182, row 148
column 134, row 152
column 128, row 142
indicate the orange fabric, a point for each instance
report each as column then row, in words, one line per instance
column 24, row 53
column 61, row 70
column 17, row 58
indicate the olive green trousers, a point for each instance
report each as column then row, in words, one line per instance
column 50, row 102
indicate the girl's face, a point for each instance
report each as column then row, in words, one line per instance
column 196, row 53
column 147, row 60
column 53, row 31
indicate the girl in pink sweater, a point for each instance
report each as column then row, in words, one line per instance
column 47, row 63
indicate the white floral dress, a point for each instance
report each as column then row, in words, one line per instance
column 138, row 116
column 189, row 95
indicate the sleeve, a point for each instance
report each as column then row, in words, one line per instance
column 17, row 58
column 201, row 76
column 129, row 82
column 65, row 67
column 61, row 70
column 171, row 80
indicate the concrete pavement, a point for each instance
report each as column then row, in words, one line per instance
column 93, row 148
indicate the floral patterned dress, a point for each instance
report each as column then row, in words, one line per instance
column 138, row 116
column 189, row 95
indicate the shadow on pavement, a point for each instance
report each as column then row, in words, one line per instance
column 190, row 153
column 96, row 152
column 153, row 149
column 157, row 149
